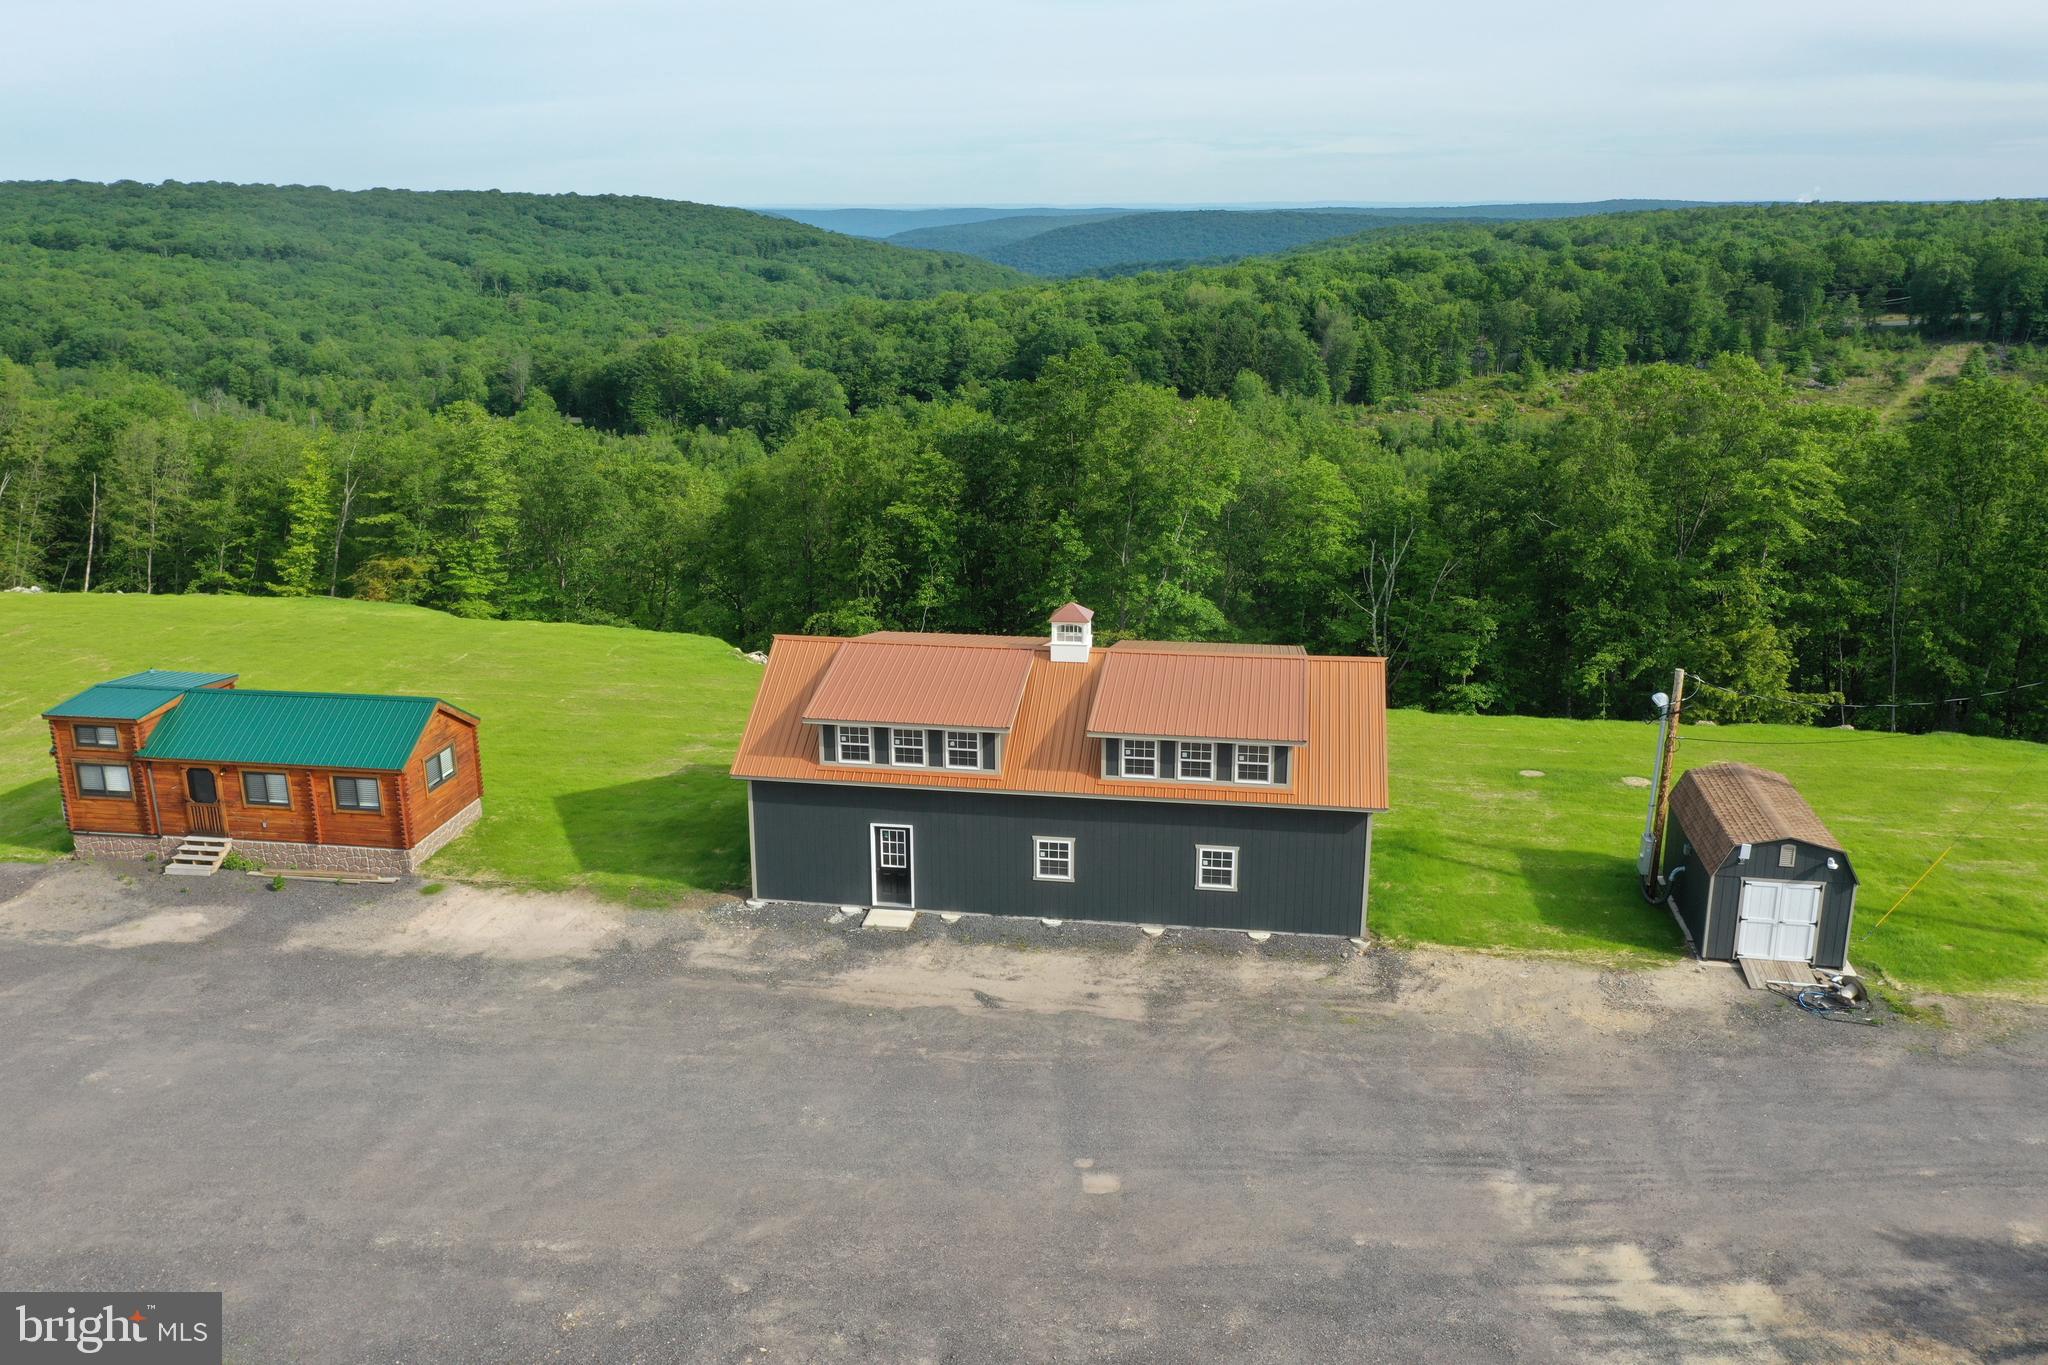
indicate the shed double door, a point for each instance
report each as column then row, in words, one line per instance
column 1779, row 920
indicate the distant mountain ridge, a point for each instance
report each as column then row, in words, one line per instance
column 884, row 223
column 1119, row 241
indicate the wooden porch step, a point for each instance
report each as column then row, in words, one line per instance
column 200, row 855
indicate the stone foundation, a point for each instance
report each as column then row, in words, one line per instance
column 278, row 853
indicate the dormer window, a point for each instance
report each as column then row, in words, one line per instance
column 855, row 746
column 1141, row 758
column 963, row 748
column 906, row 748
column 1255, row 763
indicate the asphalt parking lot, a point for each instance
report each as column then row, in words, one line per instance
column 393, row 1126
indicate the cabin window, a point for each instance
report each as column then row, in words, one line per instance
column 96, row 736
column 1141, row 757
column 1068, row 632
column 1052, row 858
column 440, row 767
column 1788, row 854
column 906, row 748
column 104, row 779
column 1255, row 763
column 856, row 744
column 357, row 793
column 265, row 789
column 963, row 748
column 1197, row 760
column 1215, row 868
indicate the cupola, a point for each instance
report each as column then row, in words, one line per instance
column 1073, row 634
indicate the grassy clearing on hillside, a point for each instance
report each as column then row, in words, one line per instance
column 605, row 750
column 1477, row 855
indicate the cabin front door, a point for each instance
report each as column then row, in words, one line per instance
column 890, row 850
column 202, row 803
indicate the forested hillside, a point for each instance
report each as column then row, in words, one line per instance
column 1663, row 469
column 329, row 299
column 1119, row 243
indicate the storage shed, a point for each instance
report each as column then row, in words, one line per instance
column 1753, row 872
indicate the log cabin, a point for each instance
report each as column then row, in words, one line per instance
column 184, row 767
column 1228, row 786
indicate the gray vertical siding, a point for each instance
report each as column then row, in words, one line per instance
column 1831, row 944
column 1695, row 885
column 1299, row 871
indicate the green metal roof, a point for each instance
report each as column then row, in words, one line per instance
column 170, row 677
column 135, row 696
column 302, row 729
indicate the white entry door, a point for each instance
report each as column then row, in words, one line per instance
column 1779, row 920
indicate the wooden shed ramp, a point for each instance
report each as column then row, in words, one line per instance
column 1759, row 972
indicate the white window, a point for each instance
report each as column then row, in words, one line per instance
column 1255, row 763
column 906, row 748
column 1215, row 868
column 963, row 748
column 1141, row 758
column 1197, row 760
column 1068, row 632
column 104, row 779
column 96, row 736
column 855, row 745
column 265, row 789
column 440, row 767
column 892, row 847
column 1052, row 858
column 357, row 793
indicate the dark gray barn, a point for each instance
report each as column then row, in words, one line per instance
column 1753, row 872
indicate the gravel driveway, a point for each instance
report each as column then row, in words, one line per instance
column 474, row 1126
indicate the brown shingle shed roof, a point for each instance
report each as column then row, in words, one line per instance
column 898, row 682
column 1725, row 805
column 1226, row 694
column 1343, row 767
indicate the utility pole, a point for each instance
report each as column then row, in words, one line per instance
column 1651, row 857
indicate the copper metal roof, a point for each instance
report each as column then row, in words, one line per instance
column 898, row 682
column 1072, row 614
column 1049, row 752
column 1262, row 697
column 1724, row 805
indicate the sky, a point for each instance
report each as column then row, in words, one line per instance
column 881, row 102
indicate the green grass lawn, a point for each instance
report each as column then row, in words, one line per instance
column 604, row 756
column 604, row 751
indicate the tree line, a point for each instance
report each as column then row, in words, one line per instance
column 1206, row 454
column 1559, row 563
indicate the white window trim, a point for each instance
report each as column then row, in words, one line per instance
column 839, row 745
column 975, row 766
column 1202, row 885
column 1037, row 857
column 1237, row 765
column 896, row 744
column 1069, row 632
column 1180, row 760
column 1123, row 762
